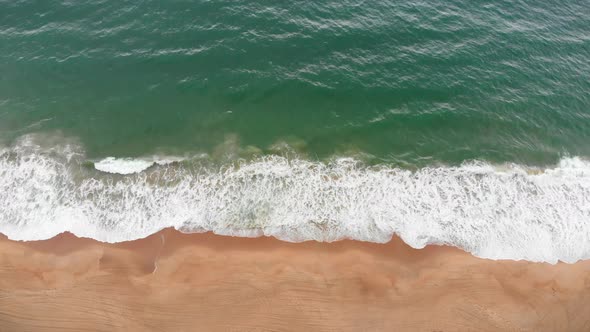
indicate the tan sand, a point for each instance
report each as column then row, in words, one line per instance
column 202, row 282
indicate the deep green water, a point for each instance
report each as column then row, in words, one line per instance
column 402, row 82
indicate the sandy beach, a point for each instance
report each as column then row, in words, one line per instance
column 202, row 282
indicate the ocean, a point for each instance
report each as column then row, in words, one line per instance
column 465, row 123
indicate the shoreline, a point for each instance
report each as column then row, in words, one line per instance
column 176, row 281
column 492, row 211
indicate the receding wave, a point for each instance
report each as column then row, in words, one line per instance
column 498, row 212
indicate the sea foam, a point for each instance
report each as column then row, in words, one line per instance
column 492, row 211
column 126, row 166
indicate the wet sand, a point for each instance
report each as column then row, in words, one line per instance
column 202, row 282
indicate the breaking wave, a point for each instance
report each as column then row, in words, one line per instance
column 126, row 166
column 493, row 211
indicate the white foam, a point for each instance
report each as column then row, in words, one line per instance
column 122, row 165
column 507, row 212
column 127, row 166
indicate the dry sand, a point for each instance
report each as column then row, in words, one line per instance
column 202, row 282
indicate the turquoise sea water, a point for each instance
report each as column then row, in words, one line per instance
column 464, row 122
